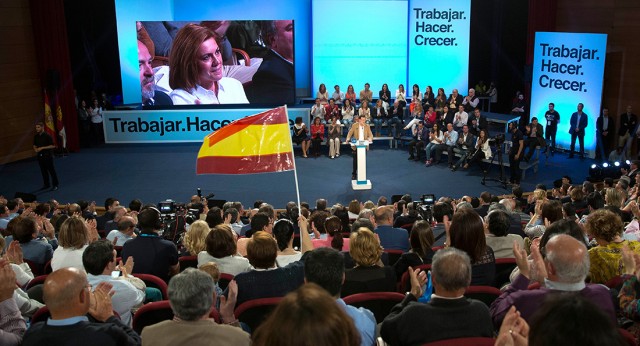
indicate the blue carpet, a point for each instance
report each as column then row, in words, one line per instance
column 155, row 172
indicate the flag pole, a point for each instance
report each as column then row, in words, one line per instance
column 293, row 157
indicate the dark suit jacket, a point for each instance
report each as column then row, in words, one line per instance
column 424, row 135
column 627, row 123
column 599, row 125
column 539, row 131
column 273, row 82
column 584, row 121
column 374, row 112
column 470, row 142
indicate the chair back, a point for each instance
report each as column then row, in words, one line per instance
column 255, row 311
column 393, row 255
column 485, row 294
column 35, row 281
column 156, row 312
column 47, row 268
column 474, row 341
column 188, row 262
column 504, row 267
column 154, row 281
column 41, row 315
column 36, row 269
column 628, row 337
column 224, row 280
column 405, row 283
column 380, row 303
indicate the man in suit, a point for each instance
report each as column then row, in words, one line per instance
column 274, row 82
column 420, row 135
column 628, row 122
column 466, row 142
column 604, row 125
column 535, row 137
column 579, row 121
column 360, row 131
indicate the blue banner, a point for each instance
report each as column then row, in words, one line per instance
column 165, row 126
column 568, row 68
column 439, row 45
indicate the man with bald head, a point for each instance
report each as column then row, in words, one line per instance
column 124, row 232
column 68, row 296
column 563, row 269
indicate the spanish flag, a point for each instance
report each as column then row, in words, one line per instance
column 258, row 143
column 49, row 127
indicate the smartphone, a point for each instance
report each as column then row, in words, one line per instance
column 115, row 274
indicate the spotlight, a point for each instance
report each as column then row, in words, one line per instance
column 605, row 165
column 596, row 173
column 628, row 162
column 617, row 164
column 593, row 166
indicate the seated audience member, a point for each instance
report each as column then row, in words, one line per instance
column 408, row 215
column 449, row 314
column 124, row 232
column 450, row 140
column 442, row 212
column 467, row 234
column 322, row 94
column 420, row 137
column 564, row 269
column 73, row 239
column 390, row 238
column 99, row 260
column 379, row 116
column 628, row 296
column 606, row 258
column 212, row 270
column 35, row 250
column 535, row 138
column 310, row 316
column 195, row 239
column 266, row 279
column 221, row 248
column 109, row 205
column 13, row 325
column 421, row 240
column 317, row 136
column 234, row 219
column 546, row 212
column 348, row 113
column 192, row 295
column 301, row 135
column 464, row 146
column 369, row 274
column 337, row 96
column 153, row 255
column 68, row 296
column 485, row 202
column 333, row 228
column 325, row 267
column 435, row 138
column 496, row 228
column 118, row 213
column 318, row 110
column 283, row 233
column 354, row 209
column 396, row 114
column 572, row 319
column 365, row 112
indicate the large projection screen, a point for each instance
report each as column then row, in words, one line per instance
column 568, row 69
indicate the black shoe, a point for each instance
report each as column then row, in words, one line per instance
column 353, row 177
column 55, row 188
column 454, row 168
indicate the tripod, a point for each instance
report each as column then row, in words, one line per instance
column 485, row 172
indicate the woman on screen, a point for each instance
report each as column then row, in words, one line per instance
column 351, row 95
column 195, row 62
column 322, row 94
column 301, row 135
column 347, row 113
column 401, row 96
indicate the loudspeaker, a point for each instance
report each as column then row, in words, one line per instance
column 26, row 197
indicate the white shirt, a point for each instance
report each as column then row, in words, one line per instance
column 347, row 114
column 233, row 265
column 338, row 97
column 461, row 119
column 66, row 258
column 125, row 298
column 122, row 238
column 360, row 133
column 230, row 91
column 400, row 96
column 96, row 115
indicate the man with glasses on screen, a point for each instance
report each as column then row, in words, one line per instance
column 150, row 96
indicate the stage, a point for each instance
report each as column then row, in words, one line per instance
column 155, row 172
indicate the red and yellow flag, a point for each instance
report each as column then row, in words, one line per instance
column 258, row 143
column 49, row 127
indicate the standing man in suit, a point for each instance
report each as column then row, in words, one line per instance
column 604, row 125
column 360, row 131
column 579, row 121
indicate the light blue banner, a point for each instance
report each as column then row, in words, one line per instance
column 568, row 68
column 439, row 45
column 165, row 126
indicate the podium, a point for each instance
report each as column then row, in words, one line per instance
column 361, row 183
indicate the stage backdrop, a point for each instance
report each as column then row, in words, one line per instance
column 568, row 68
column 163, row 126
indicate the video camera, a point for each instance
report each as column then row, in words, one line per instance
column 424, row 206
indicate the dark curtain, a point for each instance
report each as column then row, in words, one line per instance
column 54, row 67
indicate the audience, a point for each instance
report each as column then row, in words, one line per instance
column 283, row 232
column 68, row 296
column 73, row 239
column 192, row 295
column 390, row 238
column 467, row 234
column 421, row 240
column 195, row 238
column 12, row 325
column 124, row 232
column 449, row 314
column 496, row 228
column 221, row 249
